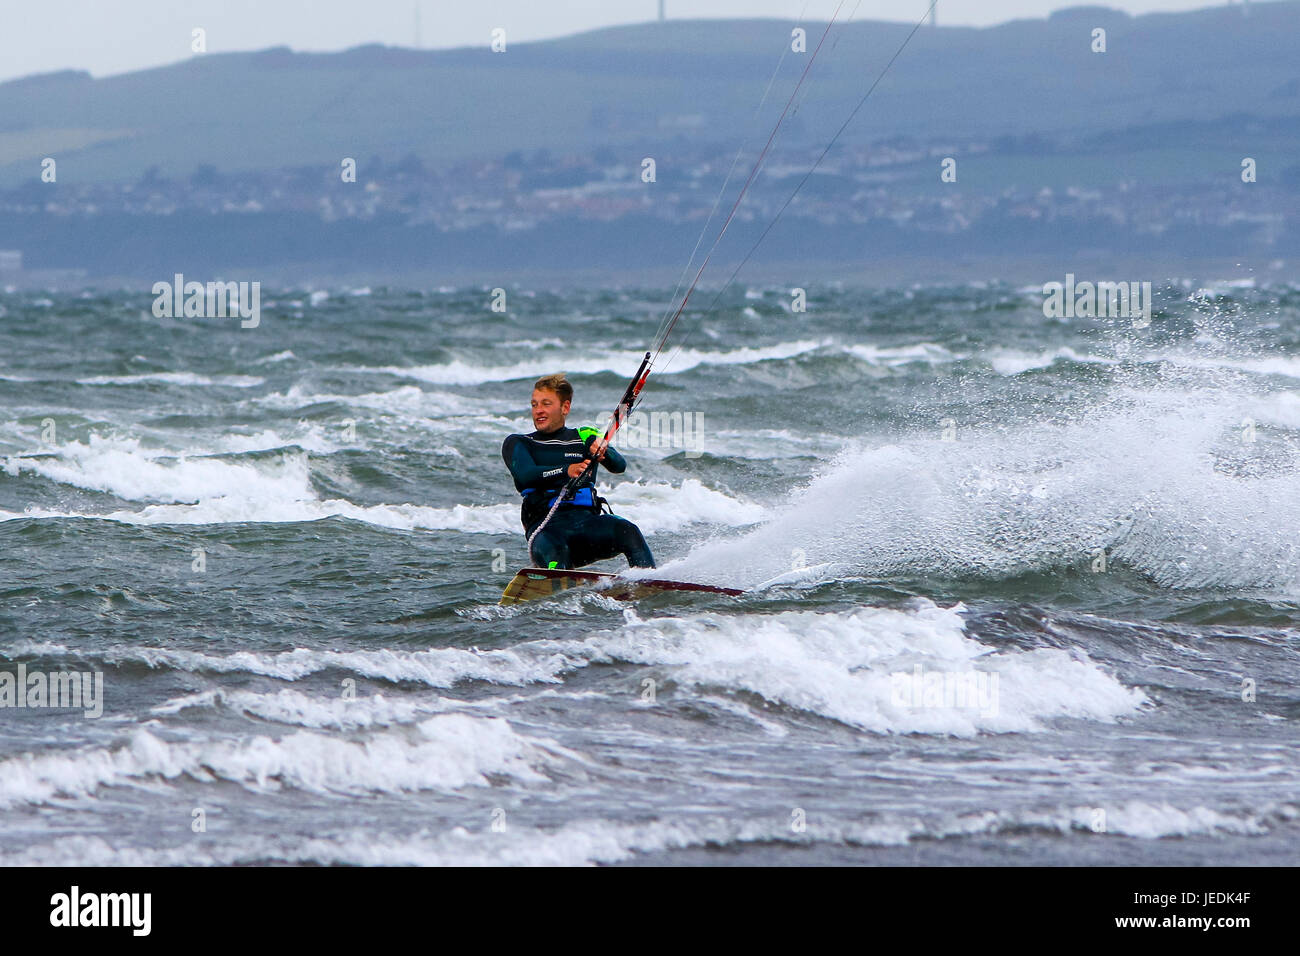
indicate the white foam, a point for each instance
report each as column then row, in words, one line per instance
column 309, row 436
column 474, row 519
column 891, row 356
column 656, row 507
column 460, row 372
column 1281, row 365
column 803, row 576
column 189, row 490
column 844, row 666
column 175, row 378
column 1140, row 477
column 288, row 706
column 528, row 663
column 1223, row 286
column 595, row 841
column 1281, row 409
column 761, row 444
column 125, row 468
column 445, row 752
column 1011, row 362
column 407, row 399
column 283, row 356
column 1153, row 821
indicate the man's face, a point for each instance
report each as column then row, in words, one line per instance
column 548, row 411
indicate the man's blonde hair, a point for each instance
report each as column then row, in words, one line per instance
column 556, row 383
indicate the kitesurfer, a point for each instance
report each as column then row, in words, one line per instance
column 542, row 463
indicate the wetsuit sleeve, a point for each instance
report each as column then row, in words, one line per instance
column 614, row 463
column 527, row 473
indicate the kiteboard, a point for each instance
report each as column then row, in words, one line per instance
column 533, row 583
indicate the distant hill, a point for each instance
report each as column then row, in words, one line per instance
column 640, row 87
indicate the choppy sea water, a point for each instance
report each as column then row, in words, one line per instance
column 1022, row 590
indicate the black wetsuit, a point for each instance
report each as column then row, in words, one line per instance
column 578, row 533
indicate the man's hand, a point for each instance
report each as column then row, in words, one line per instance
column 577, row 468
column 597, row 448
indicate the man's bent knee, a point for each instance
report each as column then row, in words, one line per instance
column 632, row 544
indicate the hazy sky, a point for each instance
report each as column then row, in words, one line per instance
column 116, row 36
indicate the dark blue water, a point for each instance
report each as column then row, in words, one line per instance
column 1021, row 590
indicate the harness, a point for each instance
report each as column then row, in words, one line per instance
column 537, row 502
